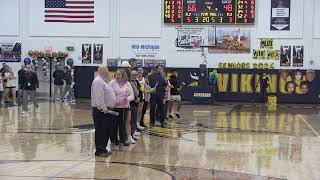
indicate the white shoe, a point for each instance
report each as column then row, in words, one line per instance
column 23, row 112
column 131, row 140
column 15, row 104
column 136, row 133
column 158, row 124
column 136, row 136
column 140, row 127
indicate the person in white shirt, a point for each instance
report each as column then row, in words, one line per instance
column 142, row 104
column 103, row 100
column 10, row 78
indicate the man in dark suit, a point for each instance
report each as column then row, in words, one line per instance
column 157, row 98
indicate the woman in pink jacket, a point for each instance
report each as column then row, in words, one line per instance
column 124, row 94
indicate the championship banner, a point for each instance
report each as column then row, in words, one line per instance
column 86, row 53
column 151, row 63
column 266, row 43
column 10, row 52
column 273, row 54
column 112, row 62
column 297, row 56
column 259, row 54
column 285, row 56
column 280, row 15
column 97, row 53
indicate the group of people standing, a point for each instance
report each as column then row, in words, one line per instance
column 28, row 83
column 119, row 105
column 63, row 82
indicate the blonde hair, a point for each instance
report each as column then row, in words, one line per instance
column 123, row 74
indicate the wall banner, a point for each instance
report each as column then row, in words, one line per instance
column 297, row 56
column 231, row 40
column 145, row 49
column 259, row 54
column 280, row 15
column 266, row 43
column 10, row 52
column 285, row 56
column 97, row 53
column 86, row 53
column 290, row 86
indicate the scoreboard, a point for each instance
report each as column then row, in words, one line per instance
column 209, row 11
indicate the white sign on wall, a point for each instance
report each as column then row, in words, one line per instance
column 145, row 49
column 189, row 36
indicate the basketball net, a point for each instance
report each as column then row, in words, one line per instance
column 196, row 44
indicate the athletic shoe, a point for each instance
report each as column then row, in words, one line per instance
column 170, row 116
column 136, row 133
column 126, row 143
column 140, row 127
column 158, row 124
column 178, row 115
column 131, row 140
column 136, row 138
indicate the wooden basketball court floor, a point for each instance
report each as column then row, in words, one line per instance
column 225, row 141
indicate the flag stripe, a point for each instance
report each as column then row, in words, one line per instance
column 64, row 11
column 64, row 16
column 80, row 7
column 70, row 21
column 79, row 2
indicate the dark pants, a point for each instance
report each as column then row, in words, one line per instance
column 119, row 125
column 156, row 102
column 134, row 117
column 102, row 125
column 144, row 110
column 166, row 109
column 264, row 94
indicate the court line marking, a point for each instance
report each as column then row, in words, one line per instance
column 306, row 122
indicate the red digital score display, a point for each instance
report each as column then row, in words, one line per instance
column 209, row 11
column 172, row 11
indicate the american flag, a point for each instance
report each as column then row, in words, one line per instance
column 69, row 11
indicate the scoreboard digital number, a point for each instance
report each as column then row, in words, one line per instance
column 209, row 11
